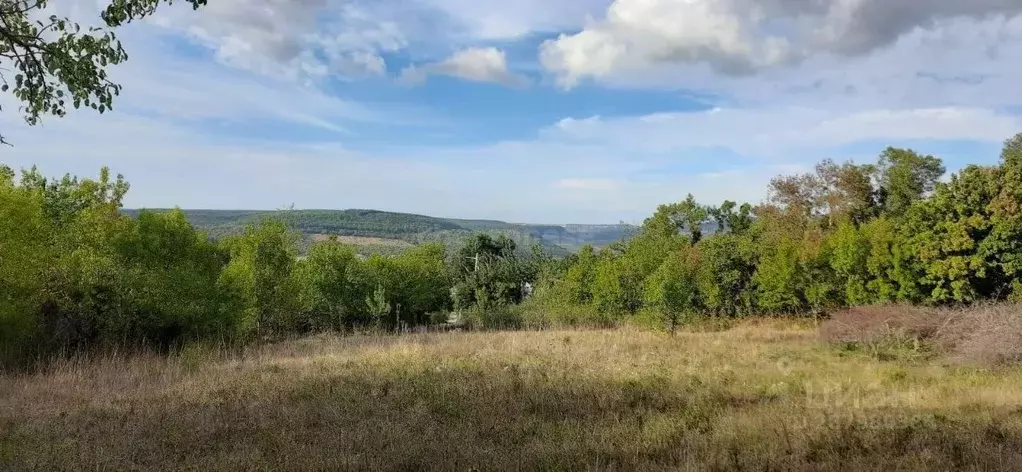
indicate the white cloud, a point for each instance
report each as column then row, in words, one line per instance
column 475, row 64
column 302, row 40
column 948, row 79
column 776, row 132
column 738, row 37
column 501, row 20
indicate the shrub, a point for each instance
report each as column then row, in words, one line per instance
column 990, row 334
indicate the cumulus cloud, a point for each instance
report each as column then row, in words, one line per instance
column 295, row 39
column 740, row 37
column 475, row 64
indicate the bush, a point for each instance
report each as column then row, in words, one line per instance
column 494, row 317
column 990, row 334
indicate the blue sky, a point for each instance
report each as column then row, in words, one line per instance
column 571, row 111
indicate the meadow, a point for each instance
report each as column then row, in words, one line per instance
column 761, row 394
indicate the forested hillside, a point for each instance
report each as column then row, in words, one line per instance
column 404, row 227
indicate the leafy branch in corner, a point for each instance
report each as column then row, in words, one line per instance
column 49, row 63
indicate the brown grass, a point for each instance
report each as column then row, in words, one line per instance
column 984, row 334
column 762, row 396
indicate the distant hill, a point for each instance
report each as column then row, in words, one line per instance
column 388, row 232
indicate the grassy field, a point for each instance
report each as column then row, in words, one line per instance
column 761, row 396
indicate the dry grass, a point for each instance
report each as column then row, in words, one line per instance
column 762, row 396
column 985, row 334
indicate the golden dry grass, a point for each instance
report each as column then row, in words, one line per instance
column 760, row 396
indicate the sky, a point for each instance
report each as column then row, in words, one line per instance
column 541, row 111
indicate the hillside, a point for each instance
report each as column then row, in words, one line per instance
column 387, row 232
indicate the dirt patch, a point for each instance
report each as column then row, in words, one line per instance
column 363, row 240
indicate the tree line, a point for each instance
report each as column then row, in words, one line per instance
column 76, row 273
column 845, row 234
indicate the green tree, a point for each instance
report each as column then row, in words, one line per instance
column 672, row 291
column 579, row 279
column 25, row 256
column 941, row 240
column 53, row 62
column 881, row 236
column 489, row 271
column 333, row 286
column 728, row 220
column 609, row 294
column 259, row 279
column 727, row 263
column 169, row 282
column 669, row 219
column 379, row 307
column 1003, row 247
column 906, row 177
column 849, row 261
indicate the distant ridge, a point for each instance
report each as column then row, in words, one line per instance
column 376, row 225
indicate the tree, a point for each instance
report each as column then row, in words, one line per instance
column 579, row 280
column 672, row 291
column 727, row 263
column 379, row 307
column 797, row 195
column 52, row 62
column 942, row 240
column 728, row 220
column 686, row 215
column 833, row 192
column 489, row 271
column 906, row 177
column 333, row 286
column 847, row 192
column 259, row 278
column 609, row 293
column 25, row 255
column 169, row 285
column 1004, row 245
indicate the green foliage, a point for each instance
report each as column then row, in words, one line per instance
column 726, row 266
column 578, row 283
column 845, row 234
column 488, row 272
column 76, row 272
column 379, row 307
column 906, row 177
column 947, row 236
column 672, row 291
column 334, row 287
column 728, row 220
column 24, row 255
column 686, row 215
column 55, row 63
column 260, row 279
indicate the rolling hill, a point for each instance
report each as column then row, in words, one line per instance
column 389, row 232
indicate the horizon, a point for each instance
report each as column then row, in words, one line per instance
column 458, row 218
column 589, row 111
